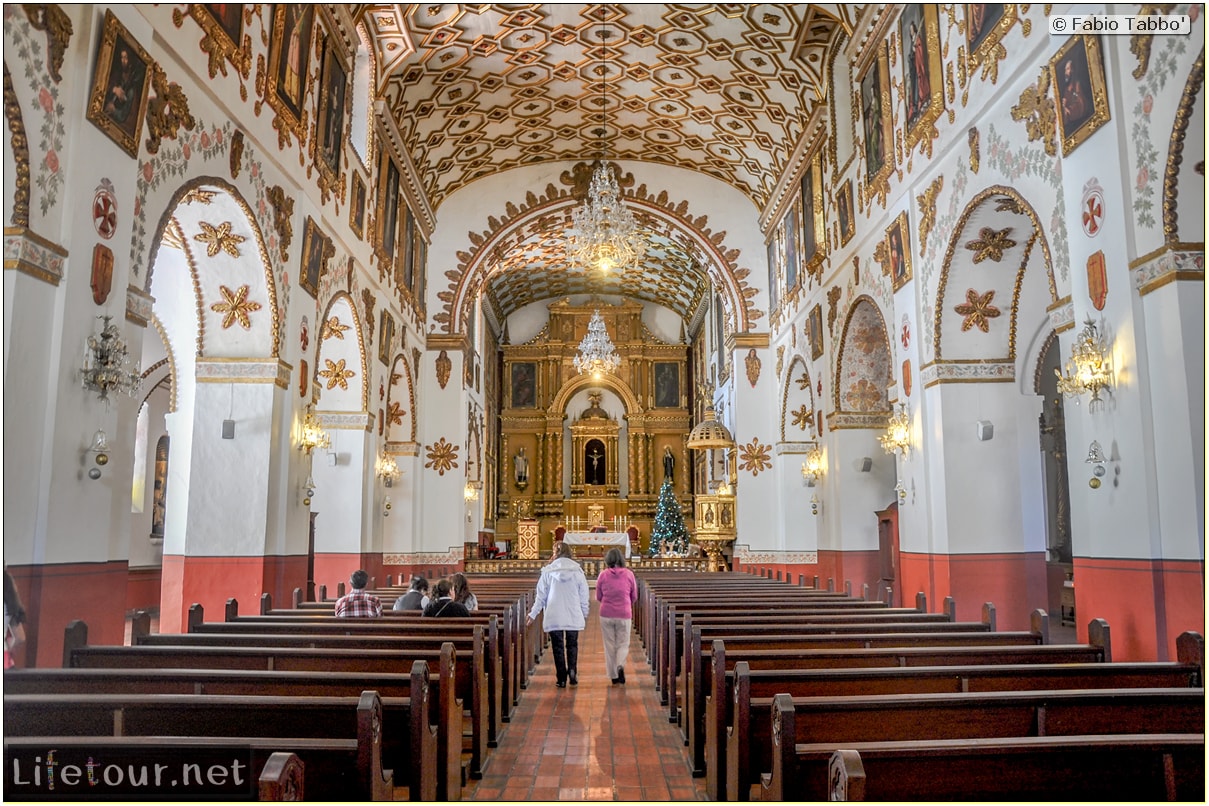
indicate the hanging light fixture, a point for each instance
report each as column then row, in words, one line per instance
column 897, row 438
column 313, row 435
column 1088, row 369
column 387, row 469
column 604, row 234
column 597, row 355
column 812, row 468
column 107, row 366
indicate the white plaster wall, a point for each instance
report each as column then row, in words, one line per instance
column 342, row 525
column 442, row 512
column 852, row 496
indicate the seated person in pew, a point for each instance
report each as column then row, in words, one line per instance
column 443, row 605
column 416, row 597
column 357, row 603
column 462, row 593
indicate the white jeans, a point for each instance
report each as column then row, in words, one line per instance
column 616, row 635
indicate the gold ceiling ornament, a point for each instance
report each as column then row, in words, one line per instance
column 333, row 328
column 219, row 239
column 977, row 310
column 235, row 306
column 990, row 243
column 596, row 355
column 1089, row 368
column 442, row 456
column 604, row 234
column 336, row 374
column 755, row 457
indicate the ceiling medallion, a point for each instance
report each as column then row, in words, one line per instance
column 597, row 355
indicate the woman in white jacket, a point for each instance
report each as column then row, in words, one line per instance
column 562, row 592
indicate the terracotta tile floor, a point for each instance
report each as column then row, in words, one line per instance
column 594, row 741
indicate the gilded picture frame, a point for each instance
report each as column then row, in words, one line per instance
column 121, row 79
column 898, row 251
column 290, row 48
column 814, row 332
column 875, row 117
column 1077, row 75
column 986, row 25
column 316, row 250
column 388, row 219
column 844, row 214
column 523, row 381
column 774, row 275
column 356, row 210
column 332, row 115
column 923, row 77
column 225, row 40
column 814, row 232
column 386, row 336
column 792, row 227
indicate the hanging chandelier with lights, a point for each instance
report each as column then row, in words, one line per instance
column 597, row 355
column 107, row 364
column 604, row 234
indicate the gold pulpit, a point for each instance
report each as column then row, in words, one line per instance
column 715, row 521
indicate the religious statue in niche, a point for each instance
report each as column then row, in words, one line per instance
column 594, row 462
column 159, row 491
column 669, row 464
column 520, row 467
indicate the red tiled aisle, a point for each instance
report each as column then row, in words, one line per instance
column 594, row 741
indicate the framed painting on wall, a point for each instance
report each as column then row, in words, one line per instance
column 923, row 81
column 844, row 212
column 121, row 78
column 774, row 276
column 814, row 235
column 386, row 336
column 814, row 331
column 333, row 96
column 667, row 385
column 356, row 211
column 791, row 226
column 290, row 62
column 388, row 205
column 316, row 250
column 898, row 251
column 875, row 108
column 1077, row 73
column 524, row 384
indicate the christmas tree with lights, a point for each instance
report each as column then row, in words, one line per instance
column 669, row 535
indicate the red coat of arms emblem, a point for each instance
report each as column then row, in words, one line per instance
column 1097, row 280
column 102, row 273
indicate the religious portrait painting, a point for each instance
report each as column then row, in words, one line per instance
column 843, row 204
column 1077, row 75
column 986, row 25
column 419, row 254
column 386, row 336
column 774, row 276
column 814, row 331
column 875, row 117
column 792, row 226
column 923, row 85
column 898, row 251
column 332, row 114
column 388, row 206
column 814, row 238
column 667, row 385
column 290, row 60
column 524, row 384
column 121, row 78
column 229, row 19
column 314, row 256
column 409, row 253
column 356, row 211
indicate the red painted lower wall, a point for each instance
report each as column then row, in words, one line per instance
column 840, row 568
column 56, row 595
column 211, row 581
column 143, row 589
column 1147, row 603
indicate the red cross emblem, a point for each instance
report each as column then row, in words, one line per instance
column 1093, row 212
column 105, row 214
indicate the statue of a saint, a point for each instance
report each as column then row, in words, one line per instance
column 520, row 466
column 669, row 464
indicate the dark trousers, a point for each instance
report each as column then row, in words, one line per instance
column 568, row 641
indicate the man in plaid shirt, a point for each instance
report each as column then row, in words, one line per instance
column 357, row 603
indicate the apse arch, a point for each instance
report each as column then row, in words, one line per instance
column 608, row 381
column 863, row 370
column 400, row 422
column 211, row 213
column 341, row 351
column 803, row 416
column 1175, row 154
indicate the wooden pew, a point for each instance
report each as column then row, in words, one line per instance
column 700, row 654
column 838, row 722
column 743, row 697
column 189, row 767
column 1110, row 768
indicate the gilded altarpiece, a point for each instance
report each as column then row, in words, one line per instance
column 570, row 468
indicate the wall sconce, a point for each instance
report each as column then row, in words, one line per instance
column 313, row 435
column 107, row 365
column 1088, row 369
column 387, row 469
column 902, row 491
column 1095, row 458
column 471, row 492
column 812, row 468
column 99, row 448
column 816, row 505
column 386, row 505
column 308, row 490
column 897, row 438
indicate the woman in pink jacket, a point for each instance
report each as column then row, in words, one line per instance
column 617, row 591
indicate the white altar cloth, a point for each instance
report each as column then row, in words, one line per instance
column 621, row 539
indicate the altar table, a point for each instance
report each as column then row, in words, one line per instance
column 620, row 539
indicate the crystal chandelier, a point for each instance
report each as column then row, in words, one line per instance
column 604, row 234
column 1089, row 368
column 597, row 355
column 897, row 438
column 107, row 365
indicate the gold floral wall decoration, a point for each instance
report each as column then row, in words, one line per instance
column 235, row 161
column 224, row 38
column 333, row 328
column 990, row 244
column 753, row 367
column 863, row 396
column 1139, row 44
column 283, row 211
column 415, row 355
column 167, row 112
column 394, row 415
column 986, row 25
column 754, row 457
column 781, row 354
column 367, row 301
column 802, row 417
column 235, row 307
column 198, row 195
column 977, row 310
column 881, row 256
column 19, row 142
column 336, row 374
column 803, row 382
column 442, row 456
column 444, row 367
column 219, row 239
column 927, row 210
column 975, row 141
column 833, row 301
column 1036, row 109
column 54, row 21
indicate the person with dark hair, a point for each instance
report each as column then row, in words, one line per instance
column 357, row 603
column 562, row 592
column 14, row 619
column 462, row 593
column 416, row 597
column 617, row 591
column 443, row 604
